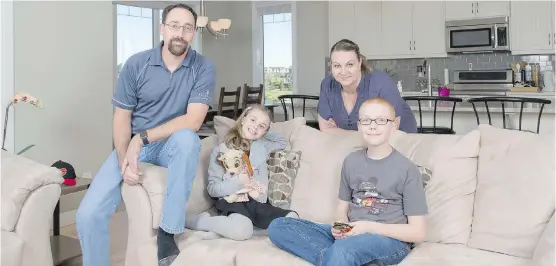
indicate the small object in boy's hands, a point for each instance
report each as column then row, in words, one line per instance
column 343, row 227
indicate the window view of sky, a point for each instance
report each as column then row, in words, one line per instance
column 135, row 31
column 277, row 40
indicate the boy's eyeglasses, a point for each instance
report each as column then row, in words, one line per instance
column 177, row 27
column 379, row 121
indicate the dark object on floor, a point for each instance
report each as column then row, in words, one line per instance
column 167, row 248
column 68, row 172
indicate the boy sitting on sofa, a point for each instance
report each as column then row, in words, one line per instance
column 382, row 205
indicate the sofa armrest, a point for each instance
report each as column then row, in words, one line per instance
column 33, row 225
column 140, row 220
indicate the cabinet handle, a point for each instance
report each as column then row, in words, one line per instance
column 410, row 45
column 477, row 7
column 414, row 46
column 472, row 7
column 549, row 39
column 554, row 42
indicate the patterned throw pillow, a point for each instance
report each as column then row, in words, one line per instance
column 282, row 170
column 426, row 175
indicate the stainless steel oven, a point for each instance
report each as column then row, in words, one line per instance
column 483, row 82
column 478, row 35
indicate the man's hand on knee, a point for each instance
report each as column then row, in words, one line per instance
column 130, row 177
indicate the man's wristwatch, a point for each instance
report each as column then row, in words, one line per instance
column 144, row 137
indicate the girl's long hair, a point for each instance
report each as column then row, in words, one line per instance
column 234, row 138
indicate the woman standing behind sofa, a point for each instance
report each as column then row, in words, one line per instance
column 351, row 83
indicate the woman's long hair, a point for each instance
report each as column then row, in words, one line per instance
column 234, row 138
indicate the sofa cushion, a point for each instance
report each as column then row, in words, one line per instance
column 12, row 249
column 154, row 181
column 21, row 176
column 434, row 254
column 282, row 170
column 223, row 124
column 452, row 162
column 544, row 253
column 315, row 196
column 515, row 191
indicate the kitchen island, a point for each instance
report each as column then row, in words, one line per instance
column 466, row 121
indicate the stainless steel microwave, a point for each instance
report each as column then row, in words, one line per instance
column 478, row 35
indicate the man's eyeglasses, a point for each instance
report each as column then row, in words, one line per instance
column 177, row 27
column 379, row 121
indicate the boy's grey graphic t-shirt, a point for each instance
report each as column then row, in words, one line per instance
column 386, row 190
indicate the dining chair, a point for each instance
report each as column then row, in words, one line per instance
column 224, row 106
column 506, row 99
column 435, row 129
column 252, row 95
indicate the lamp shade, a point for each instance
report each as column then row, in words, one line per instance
column 202, row 21
column 225, row 23
column 215, row 26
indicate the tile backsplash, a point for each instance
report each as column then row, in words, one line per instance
column 406, row 69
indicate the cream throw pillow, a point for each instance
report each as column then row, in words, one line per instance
column 451, row 161
column 515, row 191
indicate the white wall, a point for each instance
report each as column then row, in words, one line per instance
column 63, row 55
column 232, row 55
column 311, row 41
column 6, row 69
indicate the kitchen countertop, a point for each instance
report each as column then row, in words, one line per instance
column 467, row 107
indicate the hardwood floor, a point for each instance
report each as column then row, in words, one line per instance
column 118, row 239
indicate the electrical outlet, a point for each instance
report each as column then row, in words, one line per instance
column 470, row 66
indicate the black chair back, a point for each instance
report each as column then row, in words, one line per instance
column 506, row 99
column 434, row 129
column 291, row 98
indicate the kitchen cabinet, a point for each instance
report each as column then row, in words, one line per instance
column 397, row 31
column 341, row 21
column 389, row 29
column 532, row 34
column 368, row 27
column 456, row 10
column 413, row 30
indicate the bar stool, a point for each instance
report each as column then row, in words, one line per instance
column 291, row 97
column 434, row 129
column 505, row 99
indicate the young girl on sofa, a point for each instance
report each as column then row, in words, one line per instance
column 251, row 135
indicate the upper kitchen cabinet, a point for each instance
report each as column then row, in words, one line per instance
column 428, row 29
column 413, row 30
column 456, row 10
column 368, row 28
column 397, row 29
column 341, row 21
column 532, row 34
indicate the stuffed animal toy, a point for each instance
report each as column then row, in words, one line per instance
column 236, row 162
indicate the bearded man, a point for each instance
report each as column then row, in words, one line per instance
column 161, row 99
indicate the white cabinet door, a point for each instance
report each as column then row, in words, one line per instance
column 397, row 30
column 428, row 29
column 341, row 21
column 456, row 10
column 486, row 9
column 368, row 28
column 532, row 34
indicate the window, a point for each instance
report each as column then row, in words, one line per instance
column 134, row 32
column 277, row 57
column 138, row 29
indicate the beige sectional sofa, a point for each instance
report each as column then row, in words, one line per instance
column 29, row 194
column 490, row 197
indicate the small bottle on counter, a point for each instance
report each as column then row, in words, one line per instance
column 400, row 86
column 528, row 74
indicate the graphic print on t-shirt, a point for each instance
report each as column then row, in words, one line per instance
column 369, row 197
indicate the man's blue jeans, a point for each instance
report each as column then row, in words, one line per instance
column 179, row 153
column 315, row 243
